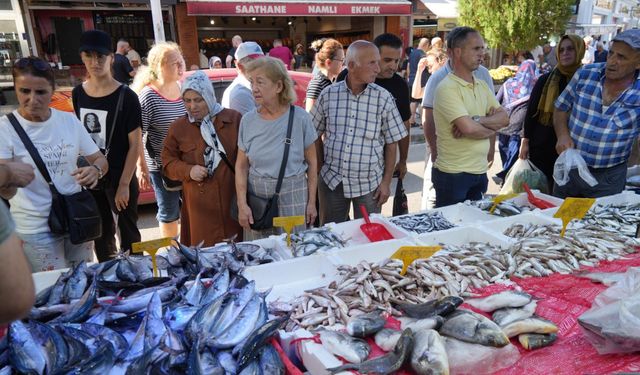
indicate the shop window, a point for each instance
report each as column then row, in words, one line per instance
column 5, row 5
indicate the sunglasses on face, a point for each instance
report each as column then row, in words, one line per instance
column 36, row 63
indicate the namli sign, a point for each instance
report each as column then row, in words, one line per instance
column 274, row 9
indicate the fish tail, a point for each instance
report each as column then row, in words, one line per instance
column 348, row 366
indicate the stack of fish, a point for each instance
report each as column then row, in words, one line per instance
column 541, row 250
column 215, row 323
column 423, row 223
column 616, row 218
column 506, row 208
column 313, row 240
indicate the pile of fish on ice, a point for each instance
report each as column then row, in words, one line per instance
column 617, row 218
column 436, row 336
column 116, row 318
column 423, row 223
column 506, row 208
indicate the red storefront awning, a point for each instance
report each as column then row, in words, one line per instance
column 296, row 8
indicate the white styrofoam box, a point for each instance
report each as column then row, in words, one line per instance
column 45, row 279
column 292, row 277
column 350, row 230
column 464, row 235
column 626, row 197
column 315, row 358
column 523, row 200
column 500, row 225
column 371, row 252
column 461, row 214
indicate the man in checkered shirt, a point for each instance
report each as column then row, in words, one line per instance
column 598, row 114
column 358, row 127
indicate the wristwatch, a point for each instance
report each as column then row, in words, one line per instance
column 475, row 118
column 99, row 170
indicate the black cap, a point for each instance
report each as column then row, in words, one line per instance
column 95, row 40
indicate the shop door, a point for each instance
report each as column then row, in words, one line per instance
column 68, row 47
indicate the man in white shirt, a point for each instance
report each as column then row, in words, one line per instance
column 238, row 95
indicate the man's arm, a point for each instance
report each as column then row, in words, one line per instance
column 403, row 150
column 429, row 129
column 228, row 61
column 561, row 127
column 471, row 129
column 383, row 192
column 496, row 119
column 129, row 170
column 16, row 283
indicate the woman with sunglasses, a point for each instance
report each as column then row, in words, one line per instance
column 117, row 132
column 59, row 139
column 161, row 103
column 329, row 63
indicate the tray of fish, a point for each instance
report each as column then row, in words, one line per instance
column 461, row 214
column 352, row 234
column 434, row 337
column 462, row 236
column 316, row 240
column 114, row 318
column 504, row 209
column 423, row 222
column 540, row 251
column 500, row 225
column 621, row 218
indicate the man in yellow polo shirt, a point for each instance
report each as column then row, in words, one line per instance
column 466, row 115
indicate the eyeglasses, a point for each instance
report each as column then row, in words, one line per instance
column 38, row 64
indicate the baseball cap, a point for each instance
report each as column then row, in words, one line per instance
column 631, row 37
column 95, row 40
column 248, row 49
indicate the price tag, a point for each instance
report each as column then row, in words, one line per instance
column 287, row 223
column 407, row 254
column 151, row 247
column 501, row 198
column 573, row 208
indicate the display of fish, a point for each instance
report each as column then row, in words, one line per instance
column 310, row 241
column 474, row 328
column 508, row 298
column 506, row 208
column 423, row 223
column 621, row 218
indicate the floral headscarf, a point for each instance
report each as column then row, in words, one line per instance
column 199, row 82
column 518, row 88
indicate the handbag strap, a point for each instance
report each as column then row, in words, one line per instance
column 224, row 158
column 32, row 151
column 287, row 144
column 115, row 120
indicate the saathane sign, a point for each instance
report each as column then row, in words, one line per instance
column 212, row 8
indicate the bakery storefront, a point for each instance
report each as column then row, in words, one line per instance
column 295, row 22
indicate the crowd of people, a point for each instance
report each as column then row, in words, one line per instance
column 204, row 158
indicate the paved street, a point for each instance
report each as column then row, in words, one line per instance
column 412, row 185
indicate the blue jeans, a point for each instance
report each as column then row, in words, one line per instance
column 168, row 201
column 452, row 188
column 47, row 251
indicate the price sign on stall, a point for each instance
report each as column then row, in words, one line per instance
column 152, row 248
column 501, row 198
column 573, row 208
column 287, row 223
column 407, row 254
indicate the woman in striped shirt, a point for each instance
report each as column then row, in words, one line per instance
column 329, row 63
column 161, row 103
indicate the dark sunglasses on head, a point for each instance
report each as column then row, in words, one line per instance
column 36, row 63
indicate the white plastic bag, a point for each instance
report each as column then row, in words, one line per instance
column 524, row 171
column 571, row 159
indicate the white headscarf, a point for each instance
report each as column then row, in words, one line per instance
column 199, row 82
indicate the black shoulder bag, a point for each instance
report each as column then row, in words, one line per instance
column 169, row 184
column 103, row 181
column 265, row 209
column 76, row 214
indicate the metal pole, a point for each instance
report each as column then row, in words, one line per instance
column 158, row 25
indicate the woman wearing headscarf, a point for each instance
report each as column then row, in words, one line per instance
column 215, row 62
column 514, row 97
column 539, row 141
column 200, row 150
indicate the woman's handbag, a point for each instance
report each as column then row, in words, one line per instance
column 76, row 214
column 265, row 209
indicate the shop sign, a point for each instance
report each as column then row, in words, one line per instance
column 447, row 24
column 296, row 9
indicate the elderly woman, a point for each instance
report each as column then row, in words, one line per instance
column 200, row 150
column 539, row 141
column 60, row 139
column 261, row 148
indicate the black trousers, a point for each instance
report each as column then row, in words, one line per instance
column 126, row 220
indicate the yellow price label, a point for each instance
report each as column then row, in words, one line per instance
column 501, row 198
column 288, row 223
column 152, row 248
column 573, row 208
column 407, row 254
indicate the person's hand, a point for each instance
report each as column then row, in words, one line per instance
column 400, row 170
column 198, row 173
column 245, row 216
column 564, row 142
column 144, row 180
column 490, row 157
column 382, row 194
column 524, row 149
column 312, row 213
column 122, row 197
column 21, row 174
column 422, row 64
column 86, row 176
column 456, row 132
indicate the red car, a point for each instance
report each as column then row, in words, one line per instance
column 220, row 79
